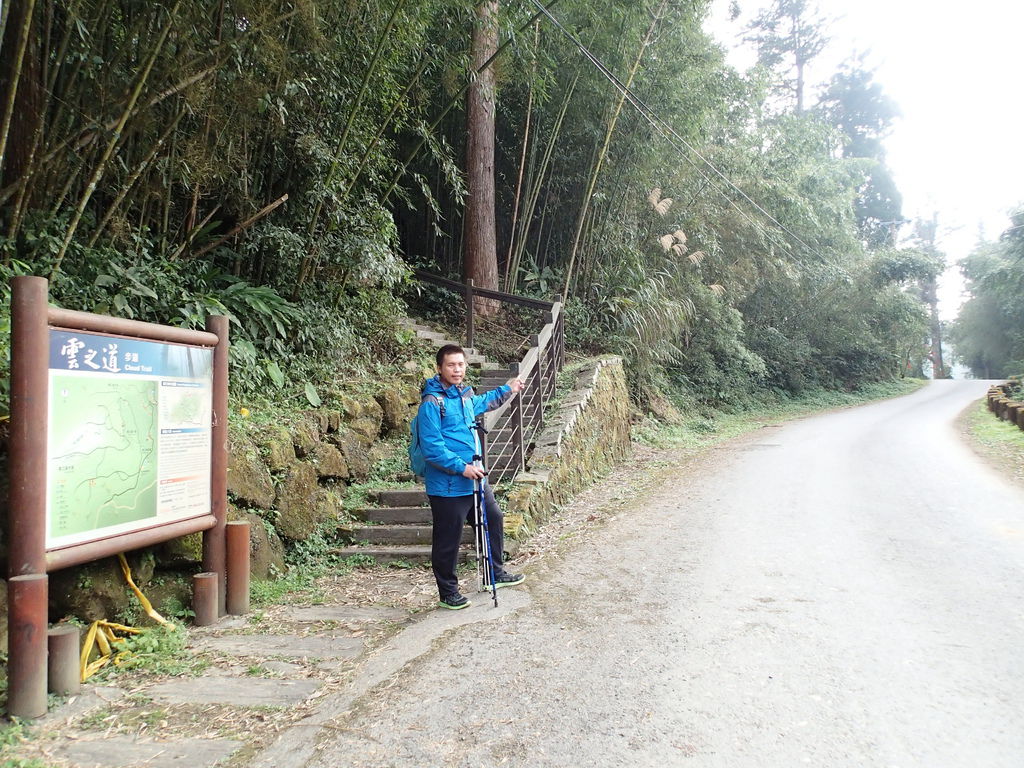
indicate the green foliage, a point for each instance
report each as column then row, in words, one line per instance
column 352, row 111
column 160, row 650
column 768, row 407
column 988, row 336
column 174, row 608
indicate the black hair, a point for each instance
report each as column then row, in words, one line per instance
column 448, row 349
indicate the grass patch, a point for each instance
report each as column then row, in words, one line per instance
column 154, row 651
column 708, row 429
column 297, row 581
column 998, row 442
column 12, row 733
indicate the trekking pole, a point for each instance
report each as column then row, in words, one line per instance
column 478, row 537
column 480, row 506
column 484, row 533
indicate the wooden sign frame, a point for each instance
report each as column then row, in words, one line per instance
column 28, row 560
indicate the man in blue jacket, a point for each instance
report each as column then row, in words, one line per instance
column 447, row 414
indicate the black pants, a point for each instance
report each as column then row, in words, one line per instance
column 450, row 514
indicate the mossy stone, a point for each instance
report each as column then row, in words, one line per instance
column 98, row 590
column 355, row 448
column 351, row 408
column 333, row 421
column 296, row 502
column 398, row 403
column 364, row 414
column 249, row 479
column 276, row 444
column 329, row 462
column 318, row 417
column 305, row 437
column 185, row 550
column 329, row 504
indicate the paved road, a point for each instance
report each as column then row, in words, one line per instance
column 846, row 590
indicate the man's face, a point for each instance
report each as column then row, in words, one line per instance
column 452, row 369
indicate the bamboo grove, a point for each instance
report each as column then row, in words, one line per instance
column 287, row 162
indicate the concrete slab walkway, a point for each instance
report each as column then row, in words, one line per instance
column 275, row 681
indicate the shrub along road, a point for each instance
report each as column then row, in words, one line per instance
column 847, row 589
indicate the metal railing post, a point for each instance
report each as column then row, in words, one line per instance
column 483, row 443
column 541, row 383
column 560, row 331
column 516, row 421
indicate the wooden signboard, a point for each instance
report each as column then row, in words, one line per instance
column 118, row 441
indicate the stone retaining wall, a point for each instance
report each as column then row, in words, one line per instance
column 1004, row 406
column 285, row 479
column 288, row 479
column 587, row 436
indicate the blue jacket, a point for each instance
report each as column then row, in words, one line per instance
column 449, row 444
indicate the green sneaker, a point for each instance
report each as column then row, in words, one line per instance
column 504, row 579
column 454, row 602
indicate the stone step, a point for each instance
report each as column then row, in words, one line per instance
column 401, row 497
column 439, row 339
column 430, row 335
column 400, row 534
column 412, row 552
column 394, row 515
column 243, row 692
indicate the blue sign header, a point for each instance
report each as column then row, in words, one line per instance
column 88, row 352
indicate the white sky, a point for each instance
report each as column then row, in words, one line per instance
column 956, row 71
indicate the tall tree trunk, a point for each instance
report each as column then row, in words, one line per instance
column 935, row 326
column 603, row 153
column 510, row 280
column 927, row 231
column 479, row 235
column 21, row 89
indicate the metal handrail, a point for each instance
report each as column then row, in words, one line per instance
column 469, row 291
column 516, row 424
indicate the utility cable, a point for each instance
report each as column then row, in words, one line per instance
column 670, row 134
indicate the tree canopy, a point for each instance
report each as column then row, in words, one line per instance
column 287, row 162
column 988, row 335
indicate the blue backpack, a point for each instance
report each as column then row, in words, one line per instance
column 416, row 459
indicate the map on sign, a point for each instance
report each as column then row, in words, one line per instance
column 103, row 452
column 129, row 437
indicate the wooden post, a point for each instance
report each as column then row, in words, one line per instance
column 26, row 668
column 64, row 677
column 214, row 543
column 205, row 599
column 26, row 531
column 469, row 313
column 238, row 567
